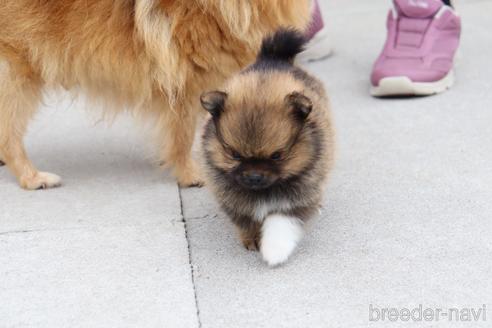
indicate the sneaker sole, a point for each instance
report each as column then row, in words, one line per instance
column 317, row 48
column 403, row 86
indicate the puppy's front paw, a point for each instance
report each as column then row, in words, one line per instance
column 280, row 236
column 250, row 236
column 251, row 244
column 41, row 180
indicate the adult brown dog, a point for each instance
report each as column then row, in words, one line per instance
column 153, row 57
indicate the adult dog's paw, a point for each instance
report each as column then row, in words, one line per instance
column 41, row 180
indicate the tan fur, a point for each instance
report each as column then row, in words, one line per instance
column 153, row 57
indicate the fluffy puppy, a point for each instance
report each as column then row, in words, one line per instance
column 269, row 146
column 153, row 57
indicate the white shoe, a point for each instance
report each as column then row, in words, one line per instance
column 318, row 48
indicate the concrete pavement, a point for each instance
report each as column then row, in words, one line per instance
column 108, row 248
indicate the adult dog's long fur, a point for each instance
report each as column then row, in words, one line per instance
column 151, row 56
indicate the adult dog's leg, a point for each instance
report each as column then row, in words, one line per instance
column 177, row 131
column 19, row 99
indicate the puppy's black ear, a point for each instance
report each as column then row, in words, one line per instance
column 213, row 102
column 300, row 104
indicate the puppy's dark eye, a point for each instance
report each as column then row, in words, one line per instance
column 235, row 155
column 276, row 156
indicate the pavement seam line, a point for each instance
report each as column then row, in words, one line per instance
column 22, row 231
column 190, row 261
column 14, row 232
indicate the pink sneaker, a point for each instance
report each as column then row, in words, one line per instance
column 417, row 59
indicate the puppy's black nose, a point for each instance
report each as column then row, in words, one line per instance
column 254, row 179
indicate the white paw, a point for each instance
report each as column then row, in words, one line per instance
column 280, row 236
column 42, row 180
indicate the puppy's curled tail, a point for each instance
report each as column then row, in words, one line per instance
column 283, row 45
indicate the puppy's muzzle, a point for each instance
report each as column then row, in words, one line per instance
column 254, row 180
